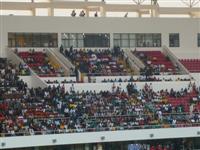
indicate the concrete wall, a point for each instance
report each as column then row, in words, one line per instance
column 96, row 137
column 187, row 27
column 108, row 86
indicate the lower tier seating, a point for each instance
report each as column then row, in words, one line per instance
column 193, row 65
column 50, row 110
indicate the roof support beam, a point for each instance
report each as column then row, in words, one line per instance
column 154, row 10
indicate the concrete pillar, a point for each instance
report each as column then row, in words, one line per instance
column 50, row 11
column 155, row 11
column 3, row 40
column 102, row 12
column 111, row 40
column 36, row 148
column 94, row 147
column 99, row 146
column 87, row 12
column 139, row 14
column 87, row 147
column 59, row 39
column 33, row 12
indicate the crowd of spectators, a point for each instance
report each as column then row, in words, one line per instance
column 40, row 63
column 61, row 82
column 145, row 79
column 98, row 62
column 131, row 79
column 156, row 63
column 52, row 110
column 9, row 73
column 29, row 111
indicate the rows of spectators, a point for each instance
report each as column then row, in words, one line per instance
column 50, row 110
column 98, row 62
column 59, row 82
column 9, row 73
column 41, row 64
column 156, row 63
column 145, row 79
column 131, row 79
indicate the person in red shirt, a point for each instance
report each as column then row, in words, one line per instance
column 152, row 148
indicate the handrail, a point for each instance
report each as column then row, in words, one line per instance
column 64, row 59
column 110, row 116
column 174, row 59
column 33, row 74
column 136, row 60
column 51, row 52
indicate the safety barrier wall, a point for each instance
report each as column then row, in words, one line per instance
column 98, row 137
column 157, row 86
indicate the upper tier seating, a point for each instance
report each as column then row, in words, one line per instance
column 193, row 65
column 99, row 62
column 156, row 62
column 41, row 64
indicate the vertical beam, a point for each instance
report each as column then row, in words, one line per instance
column 154, row 12
column 94, row 147
column 87, row 147
column 102, row 11
column 99, row 146
column 50, row 11
column 139, row 13
column 59, row 39
column 111, row 40
column 87, row 12
column 33, row 12
column 191, row 15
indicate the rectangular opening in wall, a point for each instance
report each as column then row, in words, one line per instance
column 32, row 39
column 81, row 40
column 41, row 11
column 97, row 40
column 174, row 15
column 174, row 40
column 16, row 12
column 132, row 40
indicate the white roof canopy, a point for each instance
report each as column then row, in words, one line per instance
column 142, row 7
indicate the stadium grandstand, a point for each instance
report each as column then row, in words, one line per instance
column 100, row 74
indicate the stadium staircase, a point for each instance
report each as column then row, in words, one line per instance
column 34, row 81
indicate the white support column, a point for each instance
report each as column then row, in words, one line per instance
column 102, row 11
column 87, row 12
column 154, row 12
column 59, row 39
column 94, row 147
column 3, row 40
column 99, row 146
column 139, row 14
column 33, row 12
column 111, row 40
column 87, row 147
column 50, row 11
